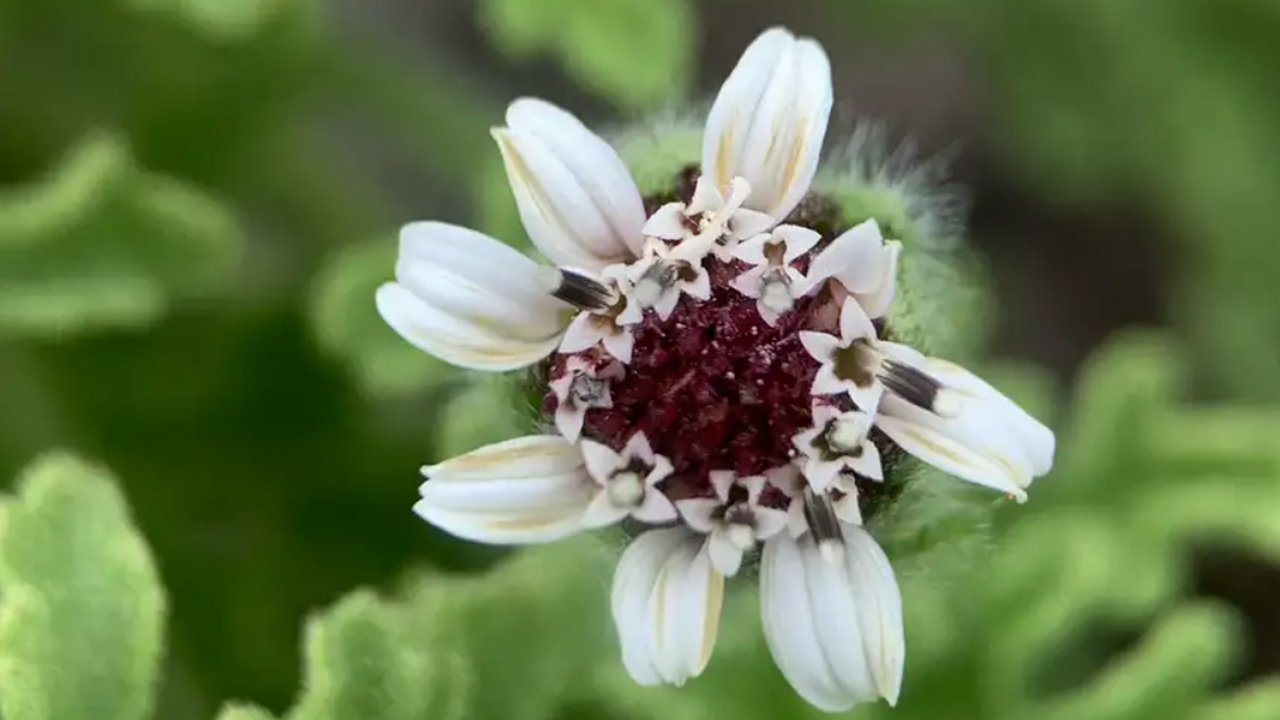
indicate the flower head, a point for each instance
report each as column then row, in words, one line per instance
column 721, row 372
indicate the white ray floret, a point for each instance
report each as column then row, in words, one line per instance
column 470, row 300
column 837, row 441
column 625, row 483
column 733, row 523
column 937, row 411
column 575, row 196
column 528, row 490
column 769, row 120
column 773, row 281
column 666, row 603
column 833, row 619
column 865, row 264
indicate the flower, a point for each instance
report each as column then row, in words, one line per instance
column 723, row 377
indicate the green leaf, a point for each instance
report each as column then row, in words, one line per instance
column 632, row 52
column 82, row 617
column 102, row 243
column 359, row 666
column 348, row 326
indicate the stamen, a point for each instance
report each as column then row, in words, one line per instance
column 656, row 279
column 587, row 391
column 846, row 437
column 775, row 291
column 626, row 489
column 913, row 385
column 822, row 519
column 583, row 291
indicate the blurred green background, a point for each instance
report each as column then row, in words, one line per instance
column 198, row 197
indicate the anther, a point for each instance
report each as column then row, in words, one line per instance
column 583, row 291
column 822, row 519
column 656, row 279
column 917, row 387
column 586, row 390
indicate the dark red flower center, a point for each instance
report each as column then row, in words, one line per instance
column 715, row 387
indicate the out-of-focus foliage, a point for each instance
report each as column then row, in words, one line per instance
column 100, row 242
column 1172, row 104
column 635, row 53
column 348, row 326
column 81, row 619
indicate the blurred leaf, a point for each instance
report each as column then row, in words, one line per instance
column 485, row 411
column 220, row 19
column 348, row 326
column 81, row 621
column 358, row 666
column 632, row 52
column 528, row 631
column 102, row 243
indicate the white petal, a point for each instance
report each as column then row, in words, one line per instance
column 667, row 222
column 1035, row 439
column 800, row 240
column 749, row 283
column 725, row 556
column 638, row 447
column 462, row 342
column 770, row 522
column 532, row 456
column 531, row 489
column 698, row 513
column 656, row 508
column 722, row 481
column 620, row 344
column 820, row 346
column 751, row 250
column 602, row 512
column 854, row 258
column 879, row 605
column 854, row 323
column 688, row 611
column 876, row 303
column 570, row 418
column 769, row 119
column 584, row 332
column 821, row 473
column 962, row 446
column 633, row 583
column 840, row 631
column 747, row 223
column 700, row 286
column 706, row 196
column 790, row 625
column 473, row 275
column 825, row 382
column 601, row 461
column 868, row 463
column 667, row 302
column 847, row 507
column 666, row 606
